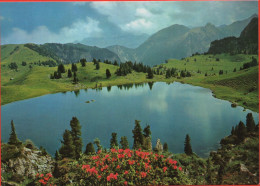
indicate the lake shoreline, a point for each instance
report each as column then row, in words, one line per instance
column 216, row 89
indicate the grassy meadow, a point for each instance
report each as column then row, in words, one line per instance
column 240, row 87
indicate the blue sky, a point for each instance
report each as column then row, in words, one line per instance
column 64, row 22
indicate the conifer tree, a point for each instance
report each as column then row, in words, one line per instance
column 83, row 62
column 97, row 143
column 209, row 178
column 241, row 131
column 187, row 147
column 113, row 141
column 97, row 66
column 165, row 147
column 61, row 68
column 57, row 155
column 147, row 131
column 90, row 149
column 124, row 142
column 67, row 149
column 13, row 139
column 76, row 136
column 69, row 73
column 149, row 73
column 108, row 74
column 138, row 136
column 250, row 123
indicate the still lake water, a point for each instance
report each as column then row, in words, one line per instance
column 172, row 111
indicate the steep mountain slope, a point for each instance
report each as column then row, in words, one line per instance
column 124, row 53
column 128, row 40
column 64, row 53
column 178, row 41
column 74, row 52
column 235, row 28
column 246, row 43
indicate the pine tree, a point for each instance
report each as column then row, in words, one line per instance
column 233, row 130
column 97, row 66
column 97, row 143
column 57, row 156
column 138, row 136
column 61, row 68
column 250, row 123
column 209, row 178
column 74, row 67
column 75, row 79
column 108, row 74
column 113, row 141
column 83, row 62
column 90, row 149
column 147, row 131
column 76, row 136
column 124, row 142
column 149, row 73
column 241, row 131
column 67, row 149
column 187, row 147
column 69, row 73
column 13, row 140
column 165, row 147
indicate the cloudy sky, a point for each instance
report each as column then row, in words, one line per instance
column 63, row 22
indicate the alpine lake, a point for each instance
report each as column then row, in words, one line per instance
column 171, row 110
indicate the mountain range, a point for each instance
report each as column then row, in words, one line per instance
column 246, row 43
column 178, row 41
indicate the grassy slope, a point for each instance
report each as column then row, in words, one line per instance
column 232, row 86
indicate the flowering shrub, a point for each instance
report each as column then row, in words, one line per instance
column 129, row 167
column 44, row 179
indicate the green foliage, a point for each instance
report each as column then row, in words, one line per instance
column 113, row 141
column 61, row 68
column 76, row 136
column 108, row 74
column 137, row 135
column 9, row 152
column 13, row 140
column 74, row 67
column 147, row 131
column 124, row 143
column 24, row 63
column 97, row 66
column 67, row 149
column 90, row 149
column 83, row 62
column 250, row 123
column 13, row 66
column 97, row 143
column 29, row 144
column 57, row 156
column 149, row 73
column 69, row 73
column 187, row 145
column 43, row 151
column 165, row 147
column 241, row 131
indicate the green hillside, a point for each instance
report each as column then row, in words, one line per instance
column 240, row 87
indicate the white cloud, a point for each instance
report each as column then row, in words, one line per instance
column 76, row 32
column 149, row 17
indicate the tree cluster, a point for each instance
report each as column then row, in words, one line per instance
column 13, row 66
column 72, row 141
column 250, row 64
column 241, row 130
